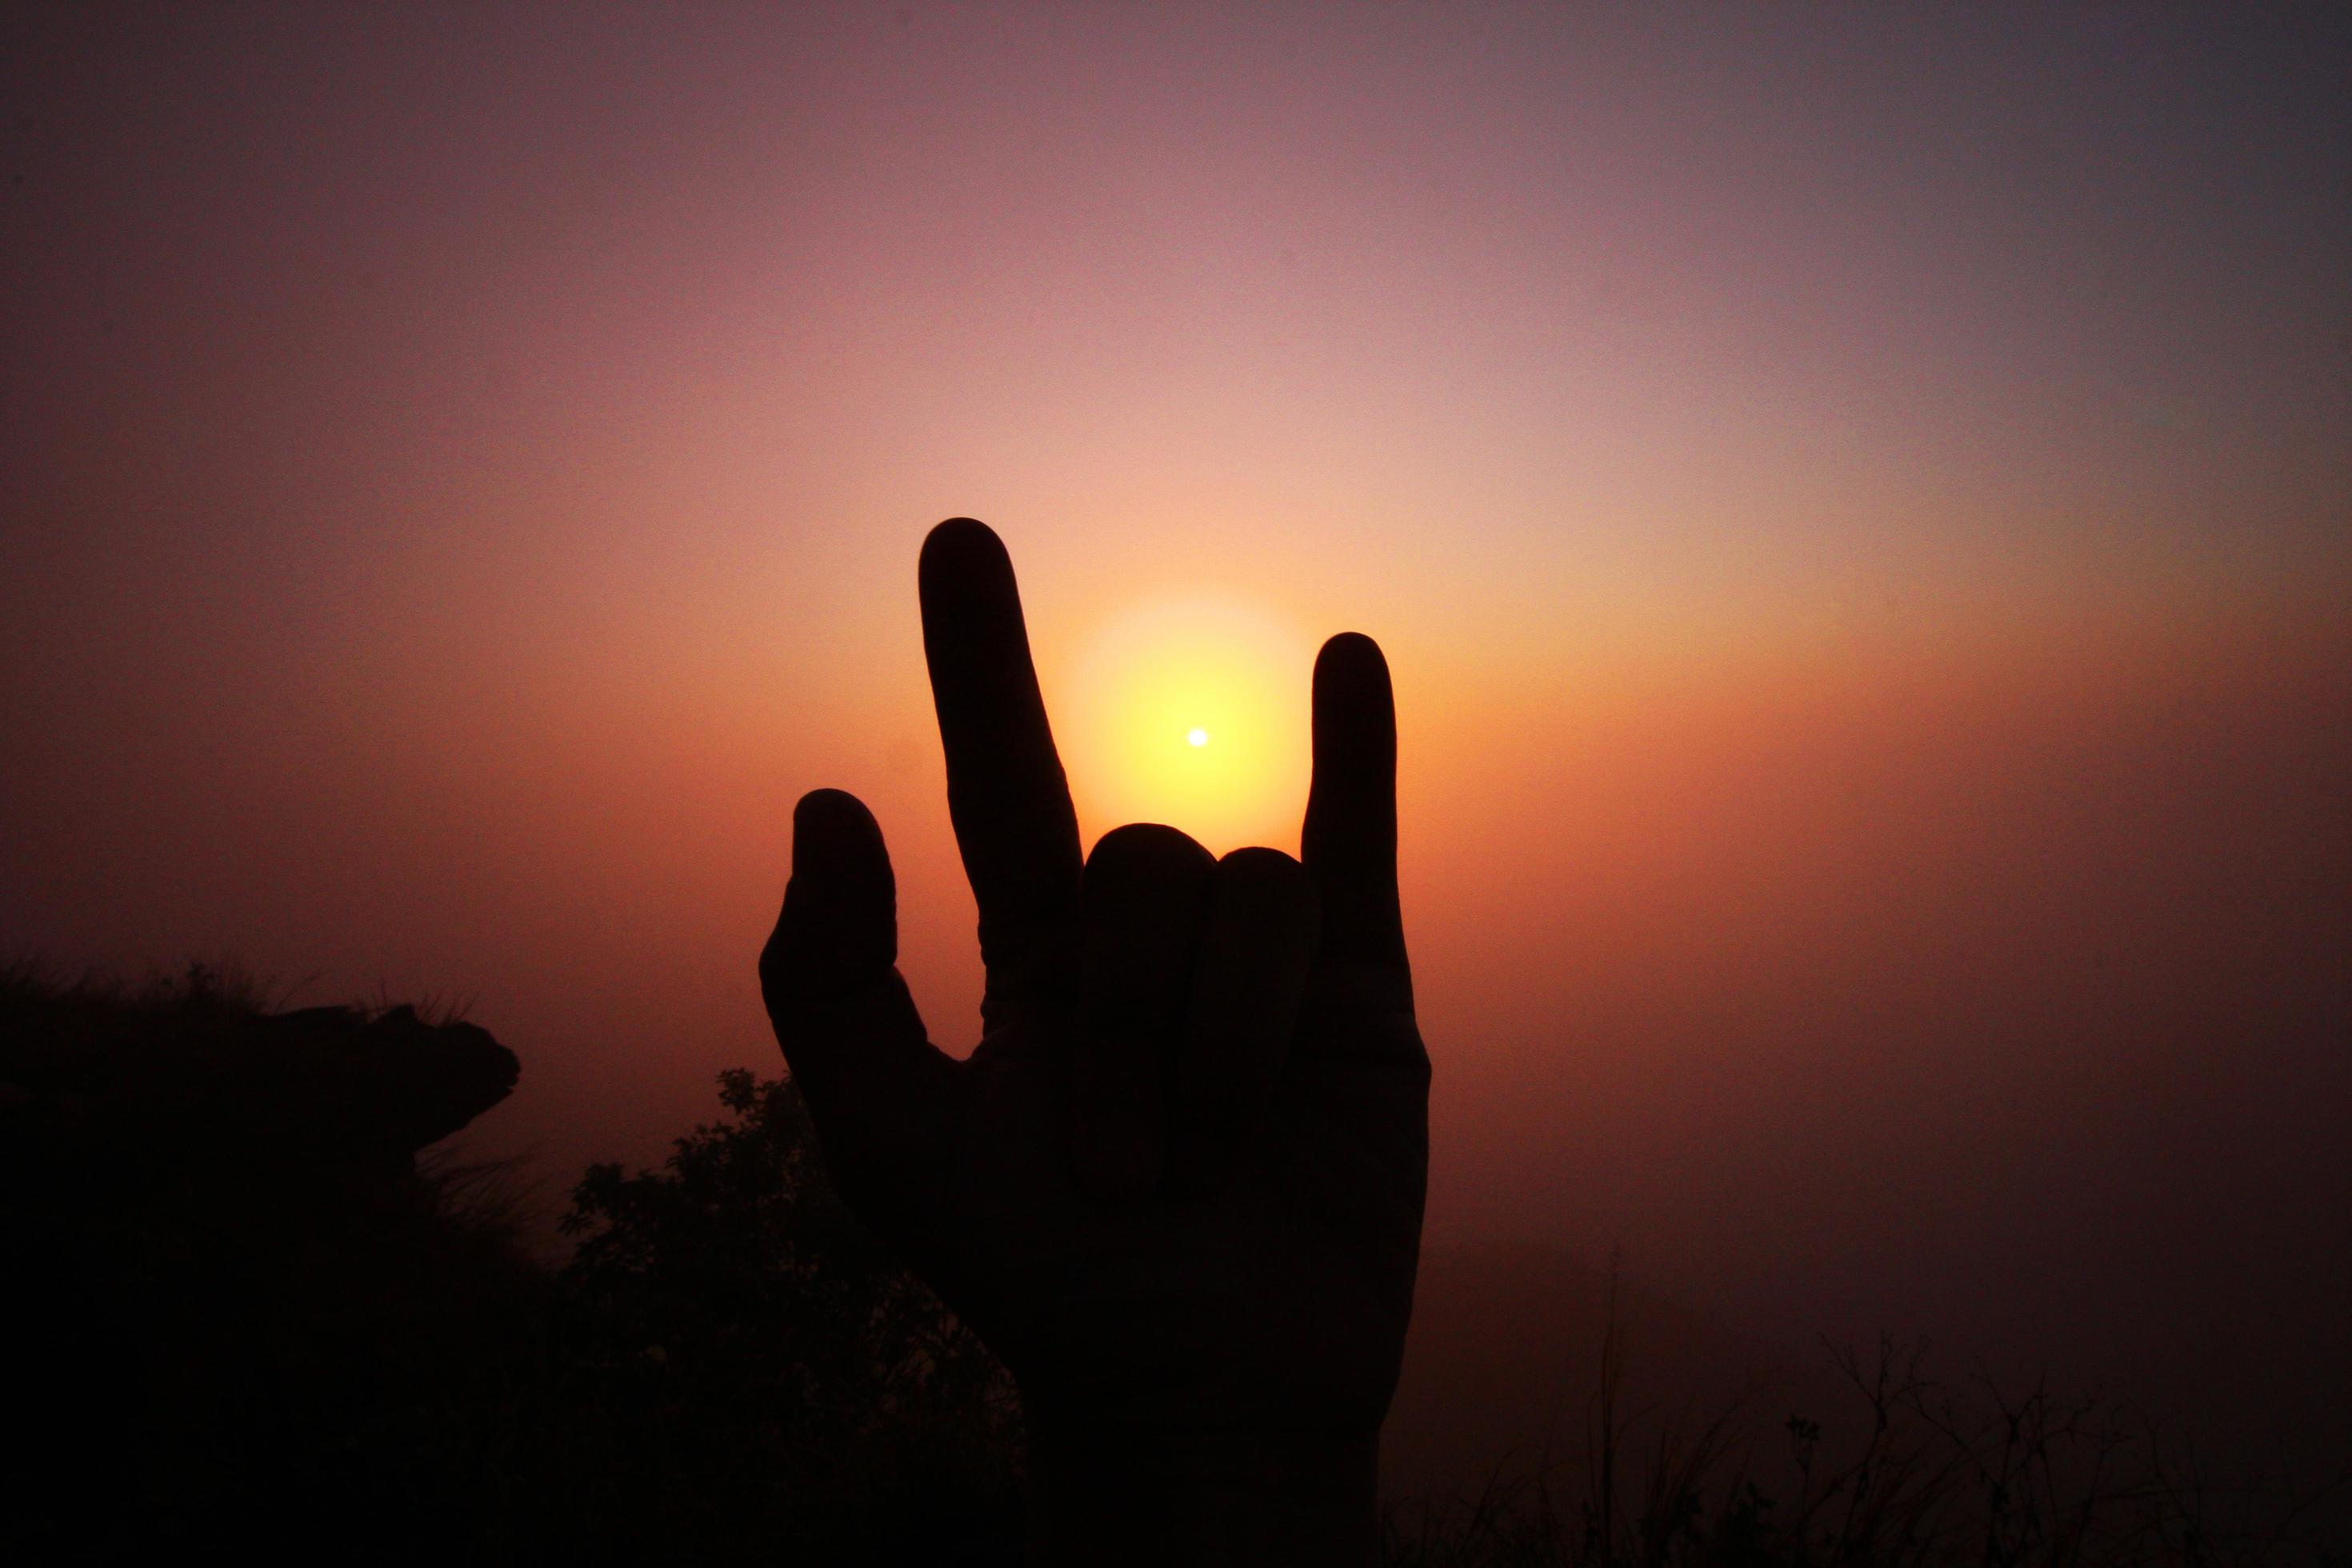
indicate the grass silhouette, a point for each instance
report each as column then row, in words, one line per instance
column 1909, row 1472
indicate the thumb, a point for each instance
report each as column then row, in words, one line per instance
column 829, row 975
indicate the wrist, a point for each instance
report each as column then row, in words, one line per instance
column 1105, row 1493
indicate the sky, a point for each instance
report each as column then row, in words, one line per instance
column 1858, row 503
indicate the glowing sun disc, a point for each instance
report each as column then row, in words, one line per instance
column 1149, row 690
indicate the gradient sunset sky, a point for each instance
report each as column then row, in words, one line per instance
column 1858, row 502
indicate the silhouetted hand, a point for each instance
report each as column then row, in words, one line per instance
column 1178, row 1186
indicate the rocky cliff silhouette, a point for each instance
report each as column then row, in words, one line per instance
column 223, row 1256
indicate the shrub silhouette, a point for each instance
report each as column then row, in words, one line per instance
column 773, row 1363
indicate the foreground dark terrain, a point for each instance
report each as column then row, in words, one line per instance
column 253, row 1305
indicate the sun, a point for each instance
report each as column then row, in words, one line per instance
column 1136, row 711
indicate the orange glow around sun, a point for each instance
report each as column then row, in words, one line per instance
column 1193, row 712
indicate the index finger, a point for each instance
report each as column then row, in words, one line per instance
column 1006, row 793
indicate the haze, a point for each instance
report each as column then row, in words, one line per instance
column 1856, row 503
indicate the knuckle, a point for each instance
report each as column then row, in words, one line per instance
column 1257, row 860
